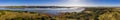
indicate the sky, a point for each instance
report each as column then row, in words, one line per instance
column 59, row 2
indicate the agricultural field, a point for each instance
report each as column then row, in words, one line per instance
column 87, row 14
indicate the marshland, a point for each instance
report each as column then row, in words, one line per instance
column 84, row 13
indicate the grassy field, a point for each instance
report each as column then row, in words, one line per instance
column 87, row 14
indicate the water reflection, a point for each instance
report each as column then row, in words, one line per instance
column 47, row 10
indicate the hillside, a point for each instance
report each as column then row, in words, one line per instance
column 87, row 14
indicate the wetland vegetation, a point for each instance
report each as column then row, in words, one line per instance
column 87, row 14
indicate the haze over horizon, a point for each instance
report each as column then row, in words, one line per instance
column 59, row 2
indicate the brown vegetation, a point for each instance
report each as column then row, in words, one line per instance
column 88, row 14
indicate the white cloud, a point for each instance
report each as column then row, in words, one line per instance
column 83, row 3
column 74, row 3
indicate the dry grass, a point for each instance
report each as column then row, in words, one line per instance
column 88, row 14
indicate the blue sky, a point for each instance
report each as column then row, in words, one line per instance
column 105, row 2
column 56, row 2
column 28, row 2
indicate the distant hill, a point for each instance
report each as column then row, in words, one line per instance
column 36, row 7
